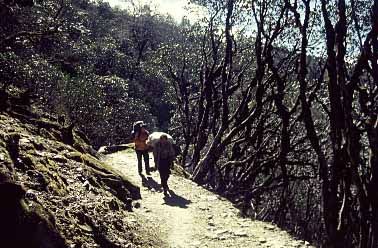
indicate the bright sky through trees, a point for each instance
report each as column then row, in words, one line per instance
column 176, row 8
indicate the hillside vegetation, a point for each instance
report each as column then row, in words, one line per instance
column 273, row 103
column 58, row 194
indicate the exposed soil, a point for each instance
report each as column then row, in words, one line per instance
column 193, row 216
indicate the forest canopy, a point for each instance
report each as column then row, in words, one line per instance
column 274, row 103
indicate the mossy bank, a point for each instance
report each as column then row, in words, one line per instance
column 56, row 193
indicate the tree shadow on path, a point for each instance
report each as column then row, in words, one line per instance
column 150, row 183
column 176, row 200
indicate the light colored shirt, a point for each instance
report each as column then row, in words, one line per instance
column 154, row 137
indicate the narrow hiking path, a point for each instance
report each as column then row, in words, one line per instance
column 193, row 216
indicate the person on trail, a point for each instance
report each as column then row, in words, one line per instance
column 165, row 155
column 140, row 136
column 153, row 139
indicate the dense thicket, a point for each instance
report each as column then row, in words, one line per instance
column 273, row 102
column 87, row 62
column 279, row 113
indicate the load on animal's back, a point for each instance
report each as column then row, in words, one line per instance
column 154, row 138
column 152, row 141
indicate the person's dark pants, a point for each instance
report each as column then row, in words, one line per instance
column 154, row 153
column 146, row 158
column 164, row 171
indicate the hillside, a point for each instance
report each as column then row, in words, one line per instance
column 273, row 105
column 59, row 193
column 62, row 195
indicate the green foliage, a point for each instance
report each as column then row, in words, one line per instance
column 231, row 89
column 10, row 67
column 91, row 63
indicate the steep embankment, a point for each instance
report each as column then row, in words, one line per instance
column 195, row 217
column 54, row 193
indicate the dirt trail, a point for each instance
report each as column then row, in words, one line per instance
column 195, row 217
